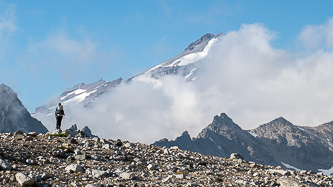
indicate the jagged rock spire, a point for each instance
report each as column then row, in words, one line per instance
column 14, row 116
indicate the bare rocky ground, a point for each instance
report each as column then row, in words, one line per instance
column 49, row 160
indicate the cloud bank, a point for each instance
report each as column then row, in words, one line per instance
column 243, row 75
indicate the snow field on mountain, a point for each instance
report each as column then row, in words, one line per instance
column 76, row 92
column 194, row 57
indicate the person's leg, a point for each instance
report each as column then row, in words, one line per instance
column 58, row 122
column 60, row 119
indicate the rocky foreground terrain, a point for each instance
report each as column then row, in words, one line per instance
column 31, row 159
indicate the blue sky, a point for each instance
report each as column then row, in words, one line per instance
column 49, row 46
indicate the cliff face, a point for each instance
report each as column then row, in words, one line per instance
column 14, row 116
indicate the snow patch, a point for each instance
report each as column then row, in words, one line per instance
column 291, row 167
column 76, row 92
column 253, row 134
column 194, row 57
column 327, row 172
column 189, row 58
column 191, row 73
column 79, row 98
column 302, row 129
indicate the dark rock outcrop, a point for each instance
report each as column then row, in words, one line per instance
column 14, row 116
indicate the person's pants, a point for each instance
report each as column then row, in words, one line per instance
column 59, row 118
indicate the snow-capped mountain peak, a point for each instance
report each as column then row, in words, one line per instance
column 185, row 64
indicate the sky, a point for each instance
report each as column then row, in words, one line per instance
column 274, row 55
column 49, row 46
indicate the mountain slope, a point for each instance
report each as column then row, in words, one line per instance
column 221, row 138
column 301, row 147
column 278, row 142
column 14, row 116
column 79, row 94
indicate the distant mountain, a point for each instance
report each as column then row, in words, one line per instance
column 14, row 116
column 278, row 142
column 185, row 64
column 221, row 138
column 308, row 148
column 79, row 94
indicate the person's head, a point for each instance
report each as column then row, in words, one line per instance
column 59, row 104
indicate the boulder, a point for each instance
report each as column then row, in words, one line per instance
column 5, row 165
column 86, row 132
column 126, row 176
column 236, row 156
column 72, row 131
column 74, row 168
column 24, row 180
column 98, row 173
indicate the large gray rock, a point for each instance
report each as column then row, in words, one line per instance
column 98, row 173
column 74, row 168
column 24, row 180
column 5, row 165
column 288, row 182
column 126, row 175
column 72, row 131
column 87, row 132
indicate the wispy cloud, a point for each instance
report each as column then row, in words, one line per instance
column 60, row 44
column 7, row 19
column 317, row 36
column 7, row 25
column 66, row 56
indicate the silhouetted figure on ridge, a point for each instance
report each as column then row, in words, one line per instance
column 59, row 113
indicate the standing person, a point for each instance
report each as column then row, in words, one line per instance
column 59, row 113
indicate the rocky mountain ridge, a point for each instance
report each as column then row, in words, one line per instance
column 301, row 147
column 278, row 143
column 31, row 159
column 79, row 94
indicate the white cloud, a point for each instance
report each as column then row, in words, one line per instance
column 243, row 75
column 317, row 36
